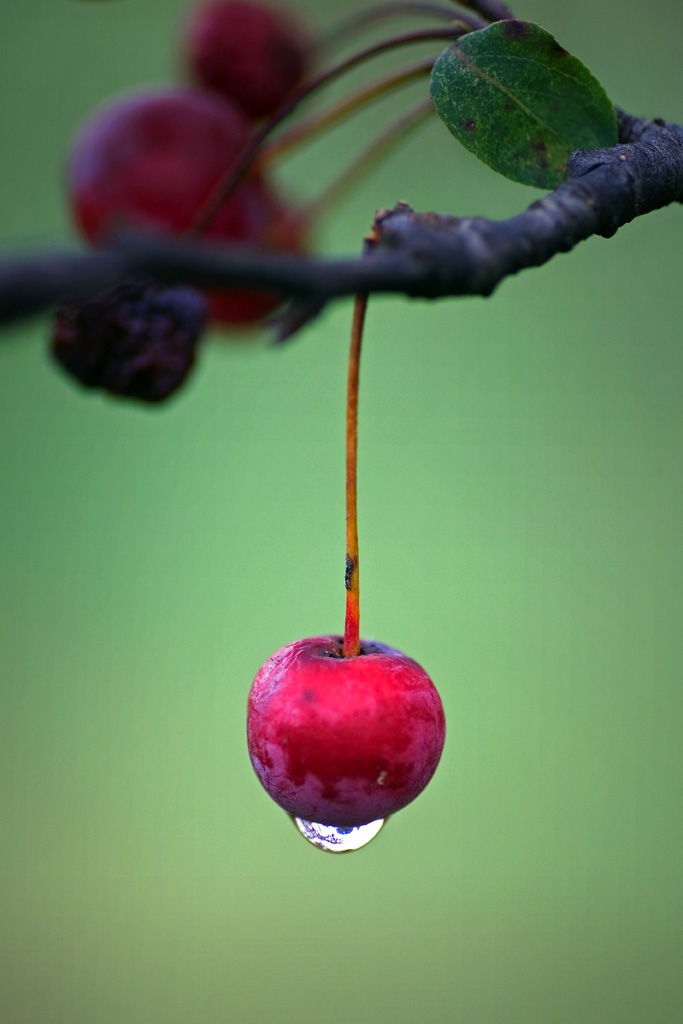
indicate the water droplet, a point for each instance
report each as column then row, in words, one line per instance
column 338, row 839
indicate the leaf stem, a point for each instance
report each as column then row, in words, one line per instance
column 351, row 647
column 236, row 172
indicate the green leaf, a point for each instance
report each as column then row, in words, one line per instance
column 513, row 96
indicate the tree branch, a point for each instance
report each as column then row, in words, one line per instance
column 420, row 255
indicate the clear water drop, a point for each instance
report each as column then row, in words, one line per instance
column 338, row 839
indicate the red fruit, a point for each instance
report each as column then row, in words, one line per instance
column 282, row 229
column 152, row 159
column 247, row 52
column 343, row 741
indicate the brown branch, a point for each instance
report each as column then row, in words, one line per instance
column 420, row 255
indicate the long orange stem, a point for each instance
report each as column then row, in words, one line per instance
column 351, row 647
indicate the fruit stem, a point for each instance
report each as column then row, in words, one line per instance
column 336, row 112
column 492, row 10
column 236, row 172
column 348, row 26
column 351, row 648
column 368, row 158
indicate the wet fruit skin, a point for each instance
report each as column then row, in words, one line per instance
column 343, row 741
column 249, row 52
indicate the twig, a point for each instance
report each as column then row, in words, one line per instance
column 421, row 255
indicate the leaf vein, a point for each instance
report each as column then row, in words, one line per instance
column 534, row 116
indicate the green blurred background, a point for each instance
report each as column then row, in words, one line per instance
column 521, row 485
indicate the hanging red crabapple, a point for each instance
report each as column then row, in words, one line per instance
column 341, row 731
column 343, row 741
column 248, row 52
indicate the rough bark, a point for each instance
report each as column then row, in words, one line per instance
column 421, row 255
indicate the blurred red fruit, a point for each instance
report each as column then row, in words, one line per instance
column 248, row 52
column 152, row 159
column 284, row 229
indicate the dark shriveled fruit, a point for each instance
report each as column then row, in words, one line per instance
column 343, row 741
column 137, row 340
